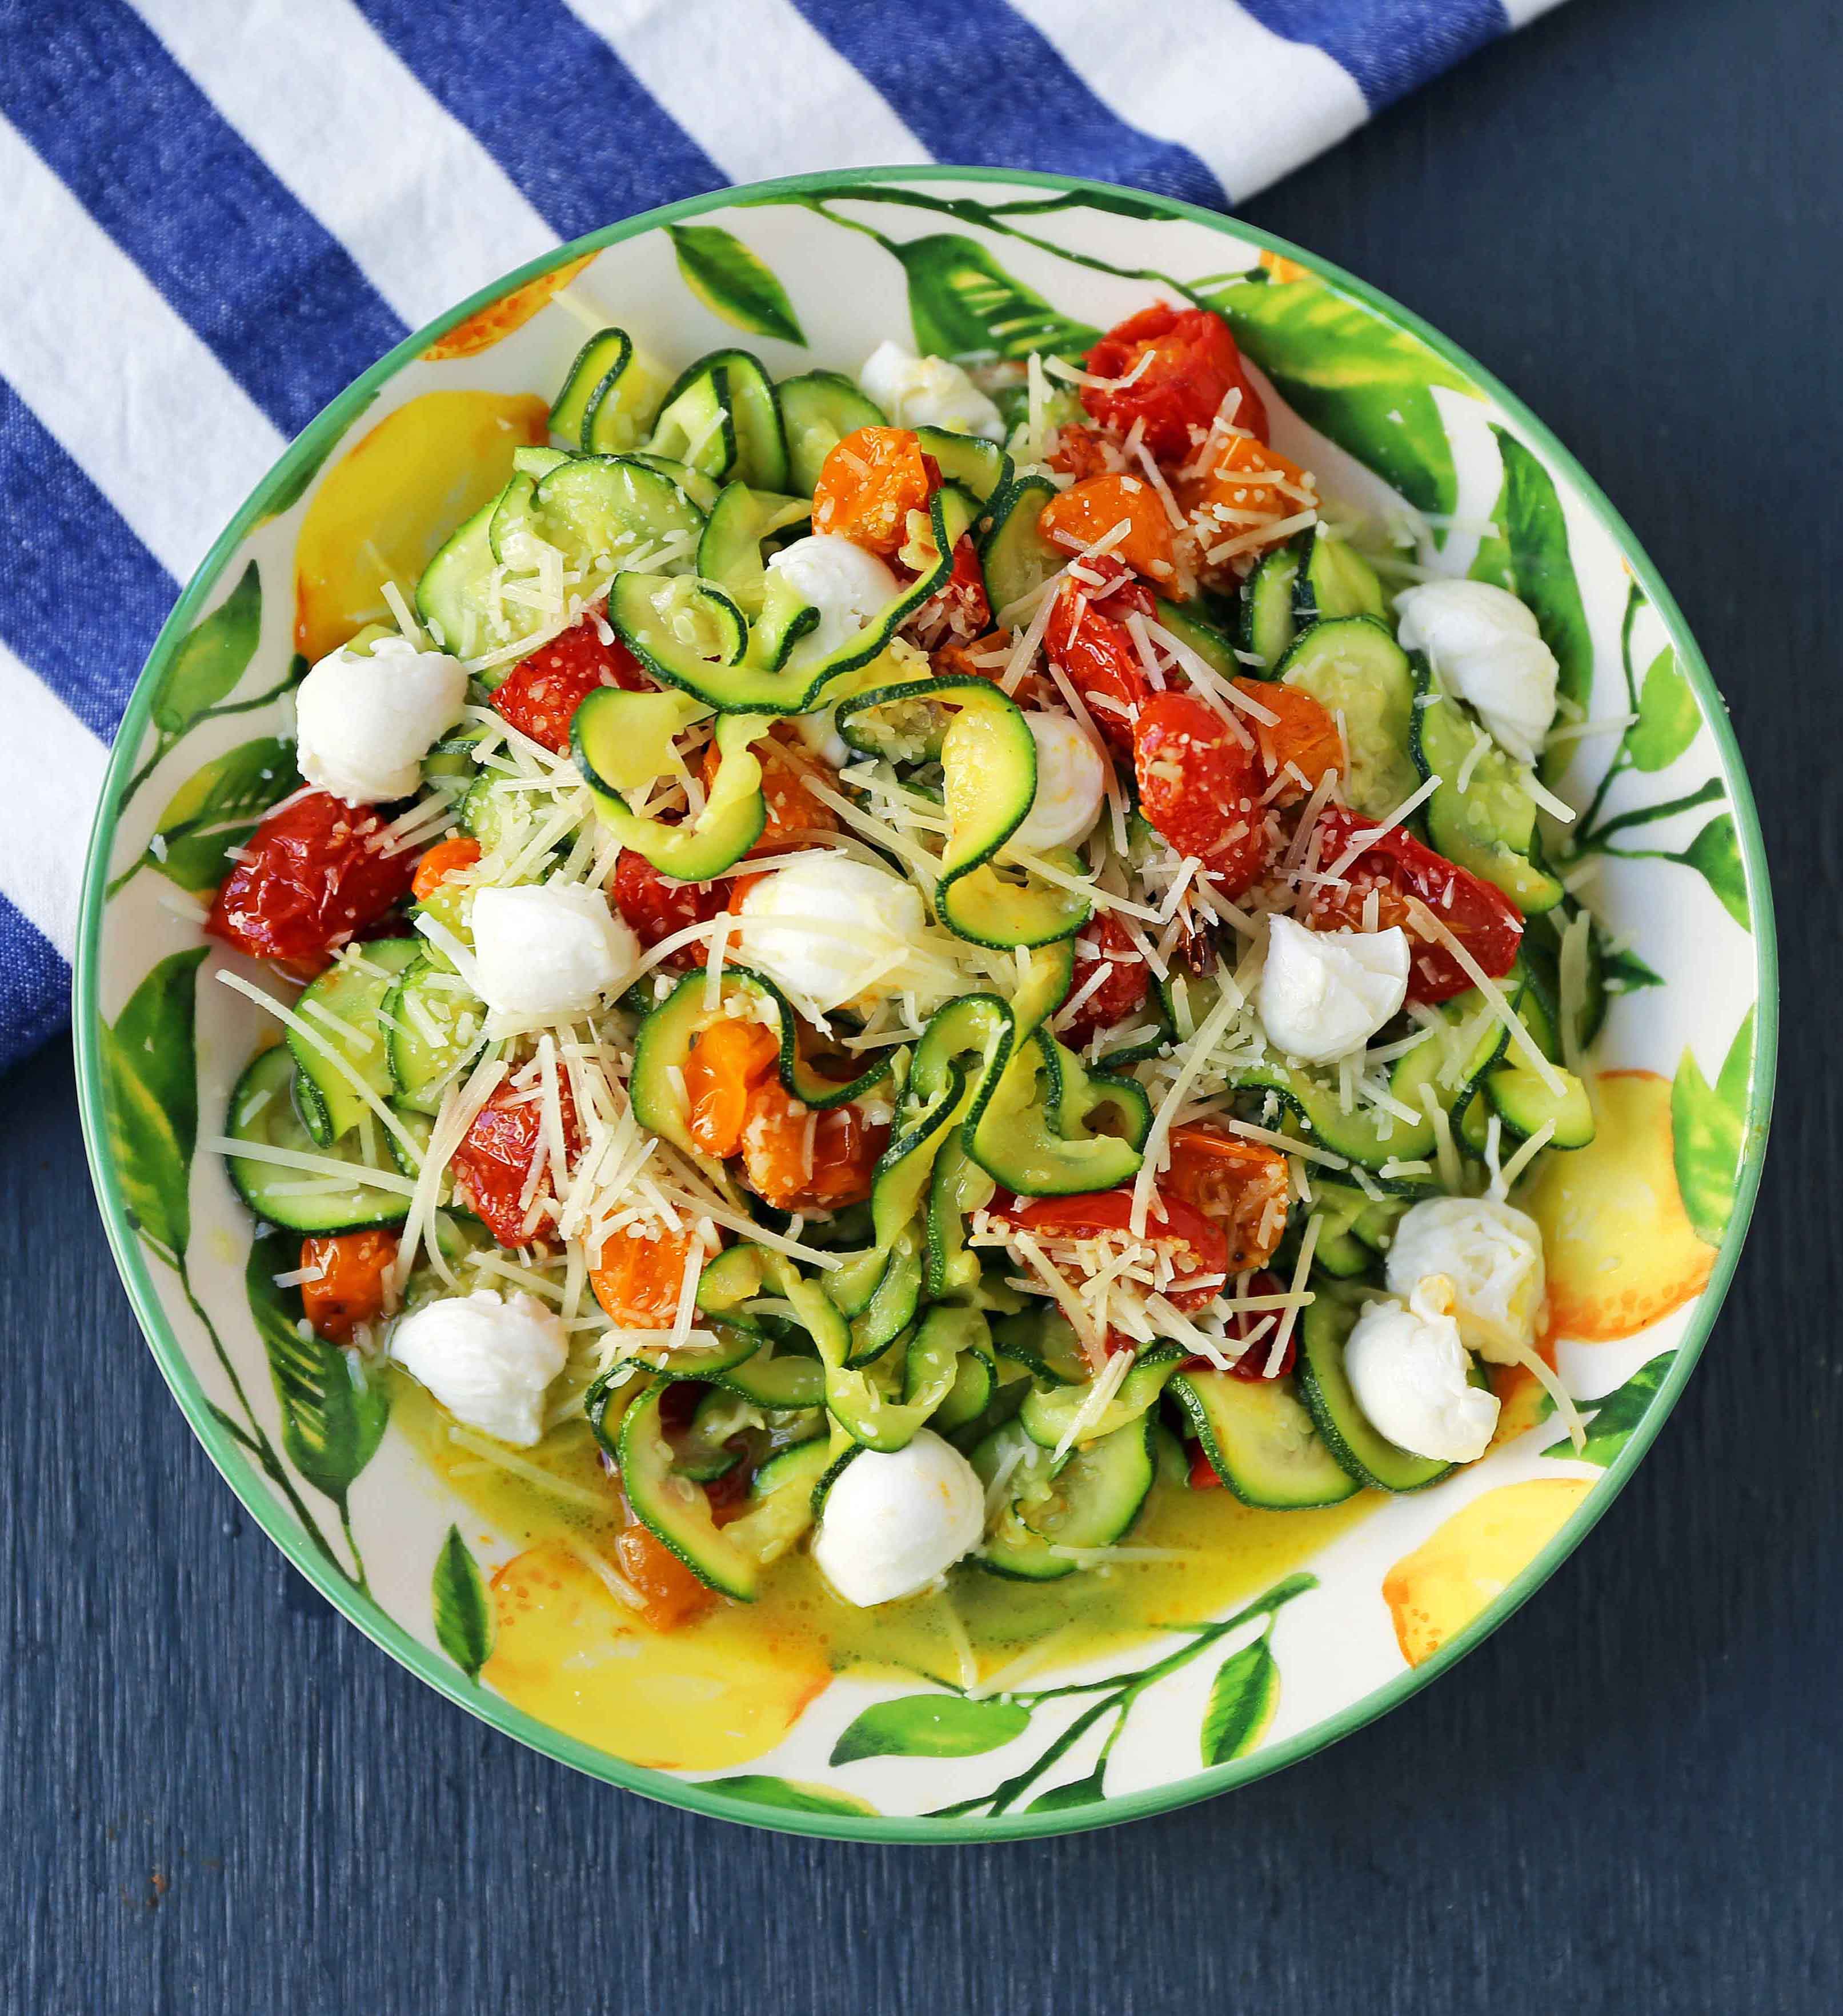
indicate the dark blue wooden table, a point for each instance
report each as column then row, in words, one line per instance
column 216, row 1796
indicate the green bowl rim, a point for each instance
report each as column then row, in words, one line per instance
column 313, row 444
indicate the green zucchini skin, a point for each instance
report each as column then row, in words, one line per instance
column 353, row 989
column 1332, row 580
column 263, row 1112
column 819, row 409
column 1090, row 1499
column 1015, row 557
column 1366, row 1456
column 673, row 1509
column 1354, row 668
column 1262, row 1442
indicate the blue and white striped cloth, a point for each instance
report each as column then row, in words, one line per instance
column 218, row 212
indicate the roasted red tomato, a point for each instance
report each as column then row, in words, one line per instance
column 351, row 1286
column 1238, row 1184
column 1193, row 366
column 1399, row 867
column 1087, row 636
column 314, row 876
column 1194, row 1246
column 541, row 694
column 1104, row 942
column 1200, row 785
column 656, row 905
column 493, row 1164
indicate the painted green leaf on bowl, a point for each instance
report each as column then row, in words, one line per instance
column 1708, row 1130
column 463, row 1615
column 1668, row 720
column 963, row 301
column 150, row 1094
column 1366, row 383
column 217, row 809
column 733, row 283
column 211, row 659
column 1242, row 1699
column 1715, row 854
column 762, row 1789
column 930, row 1725
column 1613, row 1418
column 1087, row 1792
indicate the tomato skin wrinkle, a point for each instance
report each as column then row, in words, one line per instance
column 312, row 878
column 492, row 1164
column 1200, row 787
column 1104, row 942
column 1399, row 867
column 1195, row 364
column 656, row 905
column 349, row 1287
column 1088, row 639
column 540, row 695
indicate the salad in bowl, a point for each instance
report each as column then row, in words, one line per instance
column 916, row 1018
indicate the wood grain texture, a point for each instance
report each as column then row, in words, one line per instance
column 216, row 1796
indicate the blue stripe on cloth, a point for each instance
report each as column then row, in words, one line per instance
column 276, row 296
column 1389, row 46
column 34, row 983
column 552, row 103
column 83, row 599
column 977, row 83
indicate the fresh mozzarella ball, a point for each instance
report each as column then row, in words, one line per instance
column 1407, row 1369
column 835, row 931
column 1486, row 647
column 1323, row 994
column 366, row 722
column 548, row 949
column 487, row 1361
column 1491, row 1253
column 927, row 392
column 1070, row 785
column 893, row 1523
column 844, row 583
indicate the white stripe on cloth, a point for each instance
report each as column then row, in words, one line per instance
column 121, row 382
column 424, row 208
column 753, row 83
column 1521, row 11
column 50, row 776
column 1248, row 103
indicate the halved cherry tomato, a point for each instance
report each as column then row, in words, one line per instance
column 1193, row 1245
column 1194, row 365
column 1399, row 867
column 1306, row 735
column 869, row 484
column 725, row 1062
column 963, row 598
column 1237, row 1184
column 640, row 1271
column 797, row 1159
column 446, row 858
column 1254, row 1330
column 1104, row 942
column 1203, row 1474
column 1087, row 637
column 656, row 905
column 1247, row 489
column 541, row 694
column 1200, row 787
column 793, row 811
column 351, row 1288
column 314, row 876
column 670, row 1593
column 493, row 1163
column 1087, row 512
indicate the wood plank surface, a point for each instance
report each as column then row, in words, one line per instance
column 216, row 1796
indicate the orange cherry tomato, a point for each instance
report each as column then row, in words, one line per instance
column 797, row 1158
column 725, row 1062
column 1237, row 1184
column 1085, row 514
column 446, row 858
column 1199, row 786
column 1079, row 452
column 670, row 1593
column 639, row 1273
column 1193, row 364
column 1247, row 489
column 869, row 484
column 1306, row 735
column 352, row 1287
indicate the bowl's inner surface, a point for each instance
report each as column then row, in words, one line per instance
column 1246, row 1637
